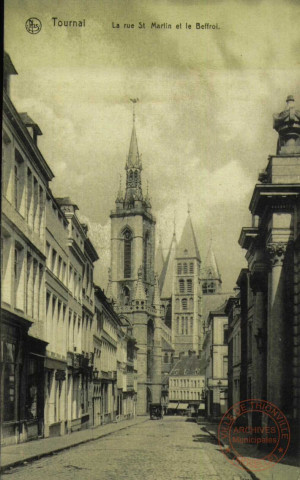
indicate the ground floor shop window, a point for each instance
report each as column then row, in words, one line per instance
column 9, row 381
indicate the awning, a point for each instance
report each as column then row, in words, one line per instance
column 173, row 405
column 183, row 406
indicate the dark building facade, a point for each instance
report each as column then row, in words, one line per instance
column 269, row 289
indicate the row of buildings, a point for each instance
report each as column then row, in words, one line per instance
column 252, row 341
column 68, row 360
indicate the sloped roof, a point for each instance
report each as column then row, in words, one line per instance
column 159, row 260
column 166, row 277
column 27, row 120
column 133, row 155
column 166, row 345
column 214, row 303
column 9, row 68
column 211, row 270
column 188, row 365
column 187, row 246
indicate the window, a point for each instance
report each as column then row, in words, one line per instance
column 181, row 285
column 179, row 268
column 191, row 327
column 146, row 256
column 190, row 286
column 225, row 334
column 9, row 377
column 166, row 358
column 191, row 267
column 208, row 288
column 184, row 304
column 127, row 253
column 177, row 321
column 185, row 268
column 53, row 261
column 16, row 187
column 59, row 267
column 225, row 366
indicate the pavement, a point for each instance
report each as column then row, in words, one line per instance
column 288, row 468
column 23, row 453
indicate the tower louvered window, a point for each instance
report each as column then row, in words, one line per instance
column 185, row 268
column 127, row 253
column 189, row 286
column 181, row 285
column 184, row 304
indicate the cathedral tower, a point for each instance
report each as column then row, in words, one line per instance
column 186, row 315
column 132, row 280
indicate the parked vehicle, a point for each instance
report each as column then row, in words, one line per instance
column 156, row 411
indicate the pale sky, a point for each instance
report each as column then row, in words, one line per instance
column 204, row 120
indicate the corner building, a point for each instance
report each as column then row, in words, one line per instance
column 132, row 282
column 272, row 280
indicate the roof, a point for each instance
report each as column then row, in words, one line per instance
column 211, row 270
column 187, row 246
column 9, row 68
column 133, row 154
column 159, row 259
column 166, row 276
column 166, row 345
column 188, row 365
column 66, row 201
column 214, row 303
column 27, row 120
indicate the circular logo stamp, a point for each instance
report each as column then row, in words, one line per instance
column 33, row 25
column 254, row 434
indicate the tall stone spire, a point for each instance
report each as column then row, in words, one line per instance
column 211, row 266
column 133, row 168
column 166, row 276
column 187, row 246
column 159, row 258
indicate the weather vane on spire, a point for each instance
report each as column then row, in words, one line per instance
column 134, row 101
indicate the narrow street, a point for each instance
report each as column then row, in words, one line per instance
column 168, row 449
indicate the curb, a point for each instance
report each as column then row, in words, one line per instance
column 32, row 458
column 213, row 435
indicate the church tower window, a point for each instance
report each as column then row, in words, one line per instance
column 191, row 267
column 179, row 269
column 181, row 285
column 190, row 286
column 185, row 268
column 127, row 253
column 184, row 304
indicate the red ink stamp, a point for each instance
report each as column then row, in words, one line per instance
column 254, row 433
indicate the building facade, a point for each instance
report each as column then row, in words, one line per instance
column 271, row 286
column 215, row 355
column 186, row 384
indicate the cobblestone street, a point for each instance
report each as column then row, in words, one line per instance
column 167, row 449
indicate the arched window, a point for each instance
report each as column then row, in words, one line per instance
column 146, row 256
column 166, row 358
column 191, row 304
column 191, row 326
column 190, row 286
column 177, row 304
column 191, row 267
column 185, row 268
column 135, row 178
column 126, row 295
column 181, row 285
column 127, row 253
column 177, row 324
column 184, row 304
column 179, row 268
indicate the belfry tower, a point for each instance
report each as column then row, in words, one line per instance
column 133, row 285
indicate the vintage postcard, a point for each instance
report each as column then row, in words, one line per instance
column 150, row 252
